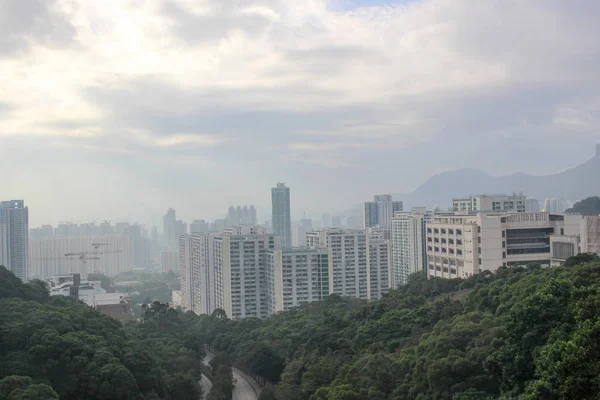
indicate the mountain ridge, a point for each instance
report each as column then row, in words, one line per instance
column 574, row 183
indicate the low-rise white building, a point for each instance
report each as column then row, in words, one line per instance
column 464, row 245
column 490, row 203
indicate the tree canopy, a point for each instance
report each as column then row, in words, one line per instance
column 587, row 206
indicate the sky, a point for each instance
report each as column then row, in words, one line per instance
column 119, row 109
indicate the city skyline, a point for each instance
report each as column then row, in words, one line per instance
column 110, row 116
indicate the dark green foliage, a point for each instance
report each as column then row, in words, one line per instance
column 222, row 378
column 22, row 388
column 587, row 206
column 522, row 332
column 62, row 347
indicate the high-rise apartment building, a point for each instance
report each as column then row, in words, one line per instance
column 297, row 276
column 281, row 219
column 532, row 205
column 490, row 203
column 408, row 243
column 242, row 215
column 555, row 205
column 241, row 285
column 378, row 259
column 347, row 260
column 464, row 245
column 199, row 226
column 380, row 211
column 195, row 268
column 14, row 237
column 47, row 255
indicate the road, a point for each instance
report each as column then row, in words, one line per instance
column 245, row 388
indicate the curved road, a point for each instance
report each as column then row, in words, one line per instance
column 245, row 388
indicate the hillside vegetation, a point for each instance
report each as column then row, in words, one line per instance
column 521, row 333
column 517, row 334
column 54, row 346
column 588, row 206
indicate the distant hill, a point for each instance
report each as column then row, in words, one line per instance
column 575, row 183
column 589, row 206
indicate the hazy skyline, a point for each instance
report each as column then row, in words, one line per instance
column 121, row 109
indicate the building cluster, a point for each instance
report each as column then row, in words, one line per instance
column 242, row 215
column 252, row 271
column 249, row 270
column 105, row 248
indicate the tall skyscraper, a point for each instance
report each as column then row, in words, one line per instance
column 282, row 221
column 380, row 211
column 199, row 226
column 169, row 229
column 14, row 237
column 409, row 248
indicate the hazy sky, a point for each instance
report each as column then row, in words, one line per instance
column 118, row 109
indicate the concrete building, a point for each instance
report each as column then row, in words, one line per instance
column 169, row 260
column 555, row 205
column 297, row 276
column 408, row 245
column 590, row 234
column 348, row 264
column 378, row 266
column 380, row 211
column 199, row 226
column 563, row 247
column 281, row 216
column 195, row 266
column 490, row 203
column 532, row 205
column 47, row 255
column 464, row 245
column 245, row 230
column 115, row 305
column 241, row 283
column 170, row 229
column 14, row 237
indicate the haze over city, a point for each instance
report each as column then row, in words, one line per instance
column 119, row 110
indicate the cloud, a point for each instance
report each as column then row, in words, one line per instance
column 305, row 91
column 26, row 23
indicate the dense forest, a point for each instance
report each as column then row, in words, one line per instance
column 53, row 347
column 520, row 333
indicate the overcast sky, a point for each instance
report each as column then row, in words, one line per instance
column 119, row 109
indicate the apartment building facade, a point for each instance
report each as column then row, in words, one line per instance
column 408, row 245
column 380, row 211
column 240, row 274
column 296, row 276
column 378, row 265
column 348, row 263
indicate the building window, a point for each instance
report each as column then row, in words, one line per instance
column 459, row 231
column 480, row 261
column 450, row 231
column 443, row 231
column 453, row 271
column 503, row 233
column 503, row 244
column 503, row 254
column 479, row 240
